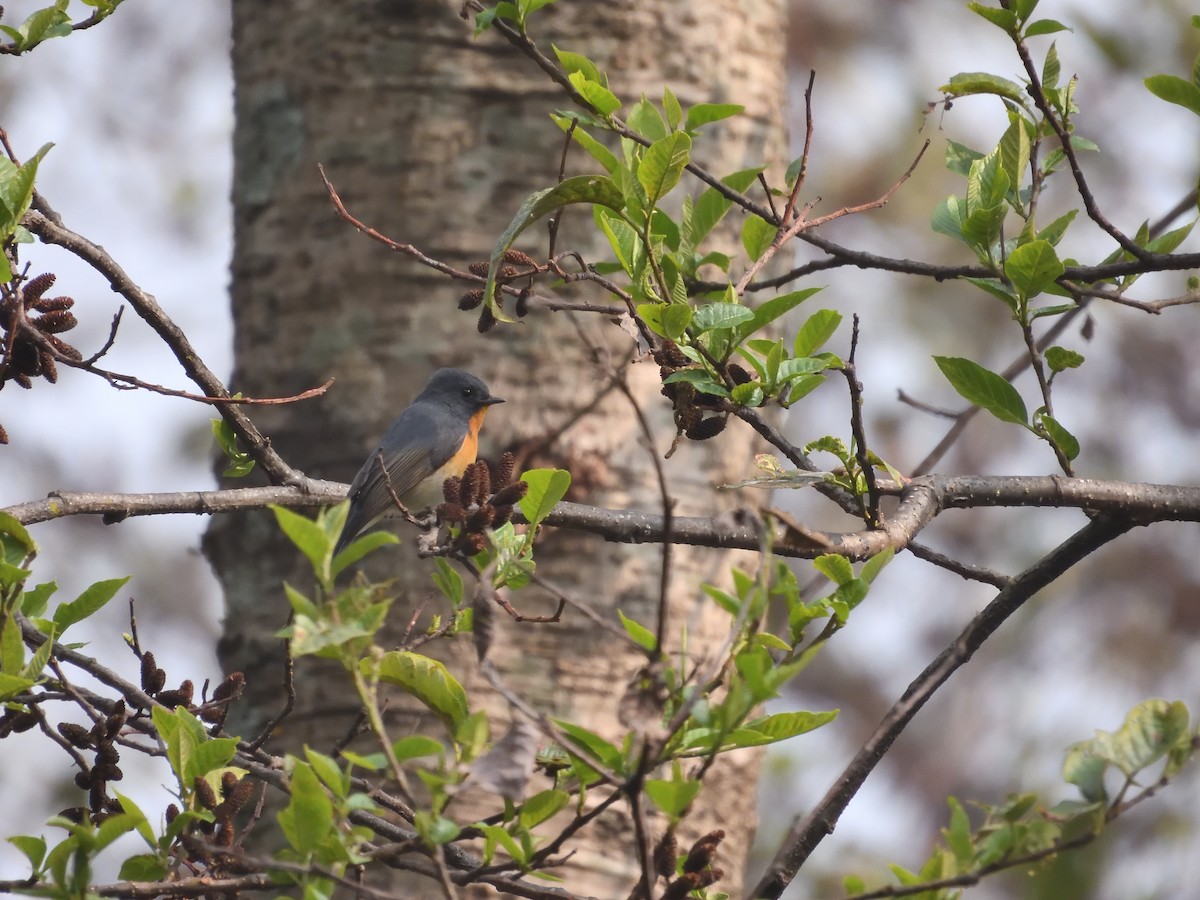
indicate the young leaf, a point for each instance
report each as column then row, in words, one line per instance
column 710, row 316
column 92, row 599
column 642, row 636
column 577, row 62
column 1060, row 359
column 1175, row 90
column 1059, row 436
column 984, row 388
column 428, row 680
column 662, row 165
column 966, row 83
column 671, row 107
column 308, row 817
column 817, row 329
column 712, row 205
column 1033, row 267
column 672, row 797
column 704, row 113
column 546, row 488
column 757, row 234
column 647, row 121
column 600, row 98
column 309, row 538
column 1045, row 26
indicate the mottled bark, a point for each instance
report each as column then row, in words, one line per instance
column 435, row 138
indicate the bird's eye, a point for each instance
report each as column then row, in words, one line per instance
column 468, row 392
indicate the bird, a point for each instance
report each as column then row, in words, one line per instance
column 434, row 438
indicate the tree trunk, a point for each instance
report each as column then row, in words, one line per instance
column 435, row 139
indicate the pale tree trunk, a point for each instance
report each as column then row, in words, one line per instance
column 435, row 139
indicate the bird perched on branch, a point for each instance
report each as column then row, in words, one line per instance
column 435, row 438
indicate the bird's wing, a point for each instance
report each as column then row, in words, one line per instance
column 428, row 441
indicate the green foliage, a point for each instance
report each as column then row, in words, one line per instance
column 16, row 193
column 1180, row 91
column 41, row 25
column 241, row 463
column 1022, row 831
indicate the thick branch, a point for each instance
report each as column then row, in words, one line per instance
column 920, row 502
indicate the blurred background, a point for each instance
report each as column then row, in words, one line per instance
column 140, row 111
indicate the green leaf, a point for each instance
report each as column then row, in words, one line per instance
column 546, row 488
column 816, row 330
column 966, row 83
column 600, row 98
column 1002, row 18
column 605, row 752
column 757, row 235
column 1051, row 68
column 987, row 183
column 710, row 316
column 34, row 849
column 1085, row 770
column 595, row 189
column 143, row 867
column 1148, row 733
column 1014, row 151
column 958, row 835
column 704, row 113
column 12, row 646
column 577, row 62
column 998, row 289
column 647, row 121
column 672, row 797
column 1045, row 26
column 781, row 726
column 1060, row 359
column 1166, row 243
column 542, row 806
column 675, row 319
column 642, row 636
column 1033, row 267
column 16, row 189
column 770, row 310
column 308, row 818
column 1056, row 229
column 309, row 538
column 750, row 394
column 712, row 205
column 984, row 388
column 330, row 773
column 91, row 600
column 662, row 165
column 626, row 243
column 1175, row 90
column 190, row 750
column 11, row 685
column 15, row 543
column 415, row 746
column 959, row 157
column 947, row 217
column 448, row 581
column 834, row 567
column 426, row 679
column 671, row 107
column 1059, row 436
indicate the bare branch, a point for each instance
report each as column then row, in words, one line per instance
column 49, row 228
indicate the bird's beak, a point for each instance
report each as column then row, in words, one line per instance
column 491, row 401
